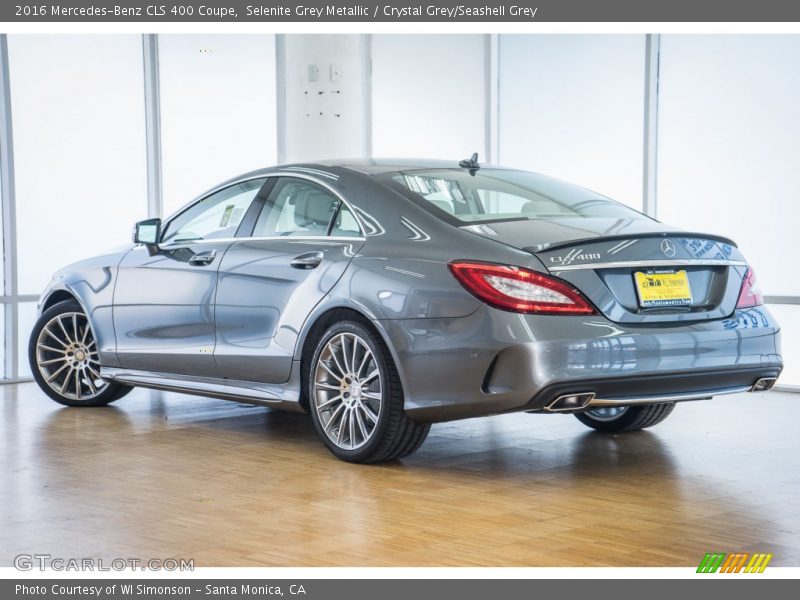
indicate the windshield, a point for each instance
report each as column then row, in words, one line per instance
column 498, row 195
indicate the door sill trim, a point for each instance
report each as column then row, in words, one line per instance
column 285, row 395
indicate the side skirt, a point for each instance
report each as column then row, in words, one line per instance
column 285, row 396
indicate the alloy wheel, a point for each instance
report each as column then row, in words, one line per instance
column 348, row 391
column 67, row 357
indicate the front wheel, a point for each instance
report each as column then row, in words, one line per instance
column 65, row 361
column 356, row 398
column 625, row 418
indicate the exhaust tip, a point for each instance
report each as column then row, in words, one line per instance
column 570, row 402
column 763, row 384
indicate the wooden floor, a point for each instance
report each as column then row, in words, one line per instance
column 165, row 475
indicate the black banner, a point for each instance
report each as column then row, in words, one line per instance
column 519, row 11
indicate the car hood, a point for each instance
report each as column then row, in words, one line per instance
column 535, row 235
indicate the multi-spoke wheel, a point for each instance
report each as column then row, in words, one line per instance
column 356, row 399
column 65, row 361
column 625, row 418
column 347, row 391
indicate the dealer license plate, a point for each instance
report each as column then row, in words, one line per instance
column 663, row 289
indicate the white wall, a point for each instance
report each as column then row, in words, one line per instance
column 728, row 155
column 428, row 96
column 325, row 118
column 571, row 106
column 218, row 110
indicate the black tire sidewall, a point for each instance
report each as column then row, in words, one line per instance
column 367, row 450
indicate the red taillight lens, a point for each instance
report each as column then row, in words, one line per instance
column 520, row 290
column 750, row 295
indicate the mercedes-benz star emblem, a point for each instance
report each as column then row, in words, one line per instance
column 668, row 248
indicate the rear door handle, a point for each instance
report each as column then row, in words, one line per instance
column 309, row 260
column 202, row 259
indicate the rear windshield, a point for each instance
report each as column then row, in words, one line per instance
column 498, row 195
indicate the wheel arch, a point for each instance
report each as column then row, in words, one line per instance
column 60, row 295
column 98, row 395
column 103, row 331
column 317, row 324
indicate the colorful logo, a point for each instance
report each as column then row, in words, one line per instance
column 739, row 562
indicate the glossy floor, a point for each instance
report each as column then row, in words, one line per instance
column 165, row 475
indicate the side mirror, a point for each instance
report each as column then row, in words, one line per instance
column 147, row 232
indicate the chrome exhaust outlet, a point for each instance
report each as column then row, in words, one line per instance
column 570, row 402
column 763, row 384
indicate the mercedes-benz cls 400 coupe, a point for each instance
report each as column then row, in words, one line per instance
column 383, row 296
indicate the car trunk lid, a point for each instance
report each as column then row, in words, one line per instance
column 600, row 257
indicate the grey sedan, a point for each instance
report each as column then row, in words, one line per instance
column 383, row 296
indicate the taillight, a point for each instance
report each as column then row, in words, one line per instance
column 750, row 295
column 520, row 290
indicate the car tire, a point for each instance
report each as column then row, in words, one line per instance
column 630, row 418
column 356, row 399
column 64, row 358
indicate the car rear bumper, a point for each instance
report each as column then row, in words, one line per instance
column 651, row 389
column 494, row 362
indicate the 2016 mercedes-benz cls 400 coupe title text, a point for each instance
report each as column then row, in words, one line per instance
column 383, row 296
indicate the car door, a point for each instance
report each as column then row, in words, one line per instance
column 302, row 241
column 164, row 298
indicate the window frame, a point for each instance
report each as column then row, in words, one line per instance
column 166, row 223
column 246, row 227
column 263, row 196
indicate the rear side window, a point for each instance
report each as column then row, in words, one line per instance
column 345, row 224
column 296, row 207
column 497, row 195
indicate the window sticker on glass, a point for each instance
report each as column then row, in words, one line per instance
column 236, row 216
column 226, row 216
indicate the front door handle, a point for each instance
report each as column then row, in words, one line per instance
column 309, row 260
column 202, row 259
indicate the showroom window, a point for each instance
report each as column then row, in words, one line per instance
column 95, row 160
column 66, row 123
column 439, row 80
column 88, row 100
column 728, row 155
column 212, row 132
column 4, row 308
column 572, row 106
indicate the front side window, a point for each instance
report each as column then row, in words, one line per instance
column 214, row 217
column 296, row 207
column 496, row 195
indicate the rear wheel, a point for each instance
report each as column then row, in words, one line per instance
column 356, row 399
column 65, row 361
column 625, row 418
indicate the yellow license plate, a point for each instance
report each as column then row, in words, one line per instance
column 663, row 289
